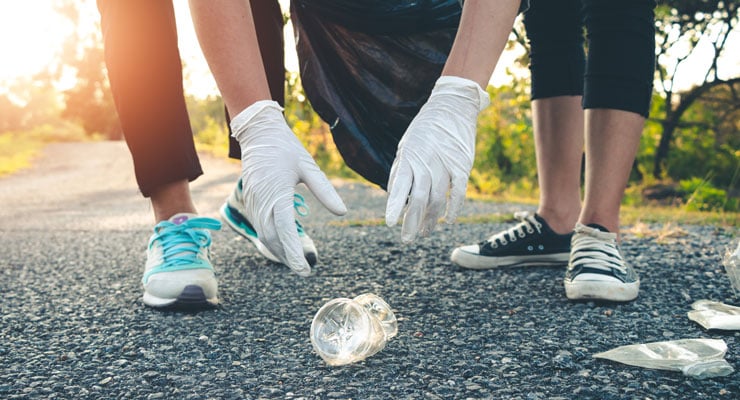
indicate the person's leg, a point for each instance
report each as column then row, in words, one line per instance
column 618, row 87
column 145, row 74
column 555, row 34
column 612, row 141
column 558, row 134
column 557, row 61
column 170, row 199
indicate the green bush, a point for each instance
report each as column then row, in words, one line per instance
column 700, row 195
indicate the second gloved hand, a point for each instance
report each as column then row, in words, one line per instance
column 273, row 162
column 435, row 156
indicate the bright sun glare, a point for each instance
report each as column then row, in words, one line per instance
column 32, row 34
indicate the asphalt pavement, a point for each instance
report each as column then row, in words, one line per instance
column 73, row 230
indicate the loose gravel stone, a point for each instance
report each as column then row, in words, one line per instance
column 72, row 324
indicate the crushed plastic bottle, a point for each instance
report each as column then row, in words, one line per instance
column 345, row 330
column 715, row 315
column 697, row 358
column 731, row 262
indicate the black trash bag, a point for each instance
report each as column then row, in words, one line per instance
column 367, row 67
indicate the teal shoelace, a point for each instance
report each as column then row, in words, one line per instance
column 181, row 243
column 301, row 208
column 299, row 205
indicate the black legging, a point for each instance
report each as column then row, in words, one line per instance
column 145, row 74
column 618, row 73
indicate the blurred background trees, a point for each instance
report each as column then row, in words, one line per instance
column 691, row 144
column 682, row 26
column 690, row 147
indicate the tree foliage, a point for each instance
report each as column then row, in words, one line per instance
column 682, row 28
column 89, row 102
column 46, row 98
column 692, row 131
column 505, row 145
column 691, row 139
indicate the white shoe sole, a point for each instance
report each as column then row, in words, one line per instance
column 192, row 296
column 470, row 260
column 601, row 290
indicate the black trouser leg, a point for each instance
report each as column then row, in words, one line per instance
column 557, row 57
column 621, row 54
column 619, row 68
column 145, row 74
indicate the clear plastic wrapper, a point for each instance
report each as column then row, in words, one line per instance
column 731, row 263
column 715, row 315
column 697, row 358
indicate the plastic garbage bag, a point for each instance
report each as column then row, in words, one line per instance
column 715, row 315
column 368, row 66
column 697, row 358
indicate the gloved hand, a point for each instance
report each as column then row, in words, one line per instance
column 273, row 162
column 435, row 156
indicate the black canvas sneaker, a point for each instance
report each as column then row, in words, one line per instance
column 596, row 269
column 530, row 242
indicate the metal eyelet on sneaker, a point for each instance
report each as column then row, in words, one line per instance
column 530, row 248
column 522, row 234
column 530, row 229
column 503, row 242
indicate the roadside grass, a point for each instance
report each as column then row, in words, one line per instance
column 656, row 221
column 16, row 152
column 18, row 149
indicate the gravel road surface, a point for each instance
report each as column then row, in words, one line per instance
column 73, row 231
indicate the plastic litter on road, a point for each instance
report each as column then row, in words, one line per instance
column 697, row 358
column 715, row 315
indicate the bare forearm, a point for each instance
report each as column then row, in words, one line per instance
column 482, row 35
column 227, row 36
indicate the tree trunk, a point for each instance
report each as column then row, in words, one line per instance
column 673, row 117
column 661, row 152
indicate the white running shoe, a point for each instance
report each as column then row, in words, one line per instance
column 178, row 270
column 234, row 214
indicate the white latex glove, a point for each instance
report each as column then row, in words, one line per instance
column 435, row 156
column 273, row 162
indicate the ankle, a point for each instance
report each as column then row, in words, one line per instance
column 560, row 221
column 611, row 224
column 172, row 199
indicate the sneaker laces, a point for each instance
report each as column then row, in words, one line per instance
column 596, row 249
column 181, row 243
column 528, row 225
column 301, row 208
column 299, row 205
